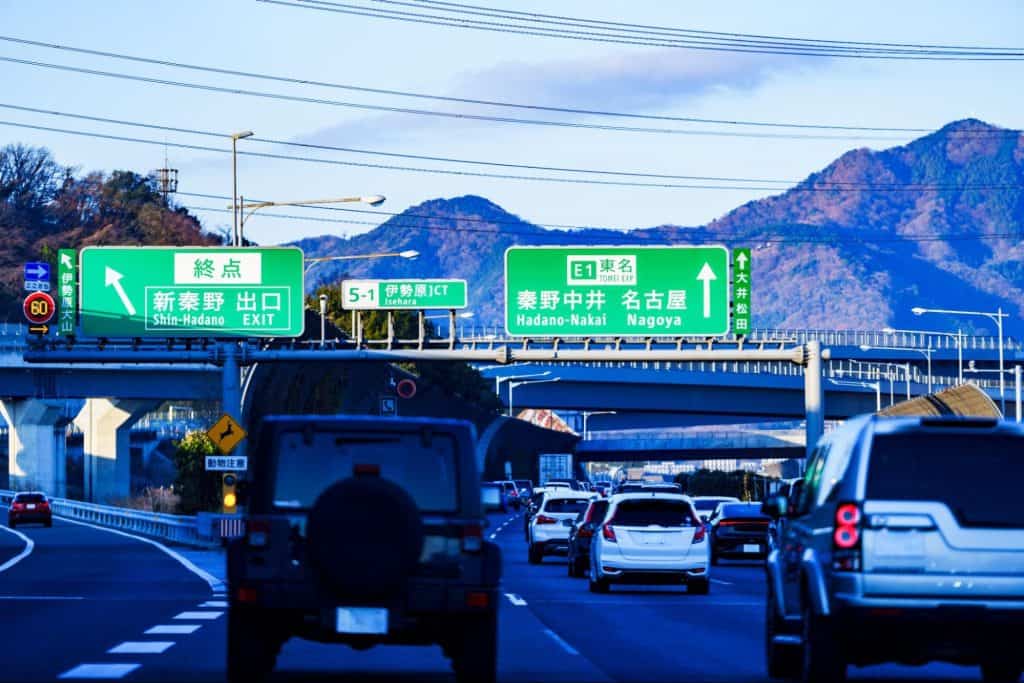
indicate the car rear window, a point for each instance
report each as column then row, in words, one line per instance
column 597, row 510
column 575, row 505
column 977, row 475
column 30, row 498
column 741, row 510
column 708, row 503
column 653, row 511
column 425, row 467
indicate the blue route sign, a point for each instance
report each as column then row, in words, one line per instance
column 37, row 271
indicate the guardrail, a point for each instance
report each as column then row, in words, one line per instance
column 175, row 528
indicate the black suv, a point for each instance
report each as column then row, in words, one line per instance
column 363, row 531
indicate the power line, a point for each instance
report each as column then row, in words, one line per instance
column 611, row 239
column 505, row 176
column 459, row 100
column 651, row 41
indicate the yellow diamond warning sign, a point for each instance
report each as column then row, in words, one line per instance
column 226, row 434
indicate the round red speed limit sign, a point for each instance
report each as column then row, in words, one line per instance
column 406, row 388
column 39, row 308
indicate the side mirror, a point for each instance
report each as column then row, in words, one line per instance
column 774, row 507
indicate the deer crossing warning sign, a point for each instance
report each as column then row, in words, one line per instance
column 226, row 434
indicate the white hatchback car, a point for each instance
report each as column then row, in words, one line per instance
column 549, row 528
column 652, row 538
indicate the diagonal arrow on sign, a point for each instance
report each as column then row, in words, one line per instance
column 706, row 275
column 112, row 278
column 65, row 260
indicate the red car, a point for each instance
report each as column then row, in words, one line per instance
column 29, row 508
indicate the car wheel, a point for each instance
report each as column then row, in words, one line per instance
column 252, row 647
column 536, row 554
column 999, row 671
column 475, row 654
column 598, row 585
column 698, row 586
column 783, row 662
column 823, row 660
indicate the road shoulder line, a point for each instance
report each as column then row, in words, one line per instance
column 29, row 545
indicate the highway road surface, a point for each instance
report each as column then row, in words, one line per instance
column 82, row 603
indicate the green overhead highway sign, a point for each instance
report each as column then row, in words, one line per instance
column 191, row 292
column 617, row 291
column 366, row 295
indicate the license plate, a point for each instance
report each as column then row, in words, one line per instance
column 31, row 506
column 751, row 548
column 652, row 539
column 367, row 620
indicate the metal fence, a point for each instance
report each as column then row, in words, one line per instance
column 175, row 528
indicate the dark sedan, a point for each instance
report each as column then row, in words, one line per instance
column 580, row 535
column 739, row 530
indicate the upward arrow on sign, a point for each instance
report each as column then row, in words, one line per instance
column 706, row 275
column 741, row 261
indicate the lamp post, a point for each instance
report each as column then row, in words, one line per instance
column 877, row 386
column 501, row 378
column 888, row 368
column 445, row 316
column 513, row 385
column 958, row 335
column 236, row 237
column 314, row 260
column 927, row 353
column 1016, row 386
column 998, row 318
column 323, row 319
column 587, row 414
column 372, row 200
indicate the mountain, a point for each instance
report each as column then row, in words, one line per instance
column 934, row 223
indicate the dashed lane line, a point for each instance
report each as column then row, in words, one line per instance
column 29, row 545
column 719, row 581
column 214, row 583
column 141, row 647
column 515, row 599
column 561, row 643
column 99, row 671
column 198, row 616
column 173, row 629
column 214, row 603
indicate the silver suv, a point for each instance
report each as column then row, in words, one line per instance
column 906, row 544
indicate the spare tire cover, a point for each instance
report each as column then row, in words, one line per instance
column 364, row 537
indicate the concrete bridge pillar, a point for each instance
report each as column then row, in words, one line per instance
column 36, row 444
column 106, row 425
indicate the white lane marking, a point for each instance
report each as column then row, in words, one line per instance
column 491, row 537
column 561, row 643
column 173, row 629
column 215, row 583
column 141, row 647
column 199, row 616
column 719, row 581
column 515, row 599
column 100, row 671
column 41, row 597
column 23, row 554
column 214, row 603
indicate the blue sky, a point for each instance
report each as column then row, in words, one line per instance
column 244, row 34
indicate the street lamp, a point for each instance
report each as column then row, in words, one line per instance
column 958, row 335
column 513, row 385
column 372, row 200
column 589, row 413
column 877, row 386
column 927, row 353
column 444, row 316
column 236, row 238
column 888, row 375
column 998, row 318
column 313, row 260
column 501, row 378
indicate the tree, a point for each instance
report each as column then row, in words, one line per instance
column 199, row 489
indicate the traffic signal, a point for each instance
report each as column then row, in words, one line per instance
column 229, row 493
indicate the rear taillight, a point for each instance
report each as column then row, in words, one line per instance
column 247, row 594
column 544, row 519
column 700, row 534
column 585, row 532
column 15, row 507
column 608, row 531
column 472, row 538
column 846, row 538
column 257, row 533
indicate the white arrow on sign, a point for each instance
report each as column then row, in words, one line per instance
column 741, row 261
column 706, row 275
column 113, row 279
column 65, row 260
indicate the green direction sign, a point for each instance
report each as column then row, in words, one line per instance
column 67, row 291
column 191, row 292
column 741, row 291
column 617, row 291
column 366, row 295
